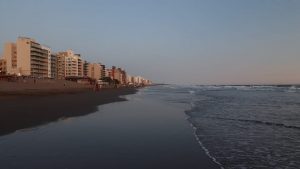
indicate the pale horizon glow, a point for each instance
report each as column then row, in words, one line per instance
column 169, row 41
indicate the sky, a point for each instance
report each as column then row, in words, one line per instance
column 169, row 41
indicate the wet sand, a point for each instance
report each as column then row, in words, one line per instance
column 28, row 108
column 141, row 133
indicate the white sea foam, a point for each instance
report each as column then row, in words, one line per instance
column 204, row 148
column 192, row 92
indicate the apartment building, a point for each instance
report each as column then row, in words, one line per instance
column 27, row 57
column 3, row 68
column 53, row 66
column 117, row 74
column 94, row 71
column 103, row 70
column 69, row 65
column 85, row 68
column 32, row 58
column 10, row 57
column 48, row 55
column 120, row 75
column 80, row 63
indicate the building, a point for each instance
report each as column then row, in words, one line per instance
column 108, row 73
column 69, row 65
column 103, row 70
column 80, row 63
column 32, row 58
column 117, row 74
column 26, row 57
column 138, row 80
column 120, row 75
column 53, row 66
column 60, row 60
column 10, row 57
column 2, row 66
column 130, row 79
column 85, row 68
column 49, row 59
column 94, row 71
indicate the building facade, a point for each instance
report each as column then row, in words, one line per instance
column 69, row 65
column 96, row 71
column 26, row 57
column 3, row 68
column 10, row 57
column 85, row 68
column 53, row 65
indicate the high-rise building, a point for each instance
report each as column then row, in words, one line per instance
column 49, row 59
column 10, row 57
column 3, row 68
column 53, row 66
column 27, row 57
column 117, row 74
column 69, row 65
column 94, row 71
column 32, row 58
column 130, row 79
column 103, row 70
column 80, row 63
column 85, row 68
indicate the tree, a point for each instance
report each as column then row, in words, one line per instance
column 116, row 82
column 107, row 79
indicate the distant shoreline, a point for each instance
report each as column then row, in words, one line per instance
column 30, row 108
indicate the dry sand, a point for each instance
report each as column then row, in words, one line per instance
column 40, row 87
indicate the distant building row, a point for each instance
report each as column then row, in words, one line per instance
column 27, row 57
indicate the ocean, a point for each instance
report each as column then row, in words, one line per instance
column 243, row 126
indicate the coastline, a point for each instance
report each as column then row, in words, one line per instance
column 25, row 109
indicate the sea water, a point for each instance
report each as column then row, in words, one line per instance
column 243, row 126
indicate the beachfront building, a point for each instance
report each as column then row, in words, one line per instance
column 121, row 75
column 53, row 66
column 10, row 57
column 85, row 68
column 130, row 79
column 60, row 66
column 117, row 74
column 69, row 65
column 94, row 71
column 48, row 54
column 27, row 57
column 138, row 80
column 80, row 63
column 103, row 70
column 2, row 66
column 108, row 73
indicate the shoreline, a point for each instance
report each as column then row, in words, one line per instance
column 31, row 109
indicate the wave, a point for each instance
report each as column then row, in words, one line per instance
column 257, row 122
column 285, row 88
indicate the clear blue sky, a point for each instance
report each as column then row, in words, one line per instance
column 187, row 41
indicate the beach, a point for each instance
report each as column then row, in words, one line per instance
column 30, row 86
column 26, row 105
column 143, row 132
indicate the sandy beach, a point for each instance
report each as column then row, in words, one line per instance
column 40, row 87
column 28, row 105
